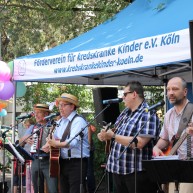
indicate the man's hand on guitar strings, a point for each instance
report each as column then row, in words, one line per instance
column 52, row 141
column 46, row 148
column 157, row 151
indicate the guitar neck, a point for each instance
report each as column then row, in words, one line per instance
column 179, row 142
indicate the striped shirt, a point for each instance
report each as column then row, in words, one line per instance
column 128, row 124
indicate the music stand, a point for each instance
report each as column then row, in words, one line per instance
column 21, row 154
column 165, row 171
column 25, row 155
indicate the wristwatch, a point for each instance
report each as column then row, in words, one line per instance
column 114, row 135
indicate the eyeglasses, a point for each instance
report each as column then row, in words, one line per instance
column 125, row 93
column 63, row 105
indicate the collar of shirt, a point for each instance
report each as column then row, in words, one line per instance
column 141, row 107
column 70, row 117
column 181, row 112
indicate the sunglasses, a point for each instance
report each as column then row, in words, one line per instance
column 126, row 93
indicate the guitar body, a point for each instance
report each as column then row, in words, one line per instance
column 54, row 161
column 107, row 146
column 167, row 150
column 175, row 144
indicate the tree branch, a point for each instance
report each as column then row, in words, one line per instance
column 75, row 9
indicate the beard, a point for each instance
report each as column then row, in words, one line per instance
column 177, row 101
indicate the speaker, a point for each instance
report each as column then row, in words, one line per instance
column 112, row 112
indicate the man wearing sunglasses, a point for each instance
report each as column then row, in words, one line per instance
column 121, row 161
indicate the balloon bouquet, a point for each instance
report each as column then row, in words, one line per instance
column 6, row 92
column 6, row 86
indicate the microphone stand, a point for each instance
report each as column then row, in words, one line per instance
column 81, row 134
column 4, row 185
column 38, row 152
column 135, row 141
column 19, row 165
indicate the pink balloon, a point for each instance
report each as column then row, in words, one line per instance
column 7, row 91
column 4, row 71
column 1, row 85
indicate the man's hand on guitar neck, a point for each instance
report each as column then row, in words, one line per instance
column 105, row 135
column 189, row 129
column 56, row 143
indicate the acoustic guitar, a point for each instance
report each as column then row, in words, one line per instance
column 54, row 158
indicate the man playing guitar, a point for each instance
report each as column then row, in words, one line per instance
column 177, row 96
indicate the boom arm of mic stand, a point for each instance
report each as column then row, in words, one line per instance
column 79, row 133
column 134, row 140
column 81, row 136
column 23, row 141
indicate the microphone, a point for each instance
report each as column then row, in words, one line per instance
column 51, row 116
column 25, row 116
column 110, row 101
column 153, row 107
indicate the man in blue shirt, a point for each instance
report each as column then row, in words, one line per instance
column 131, row 120
column 68, row 127
column 40, row 164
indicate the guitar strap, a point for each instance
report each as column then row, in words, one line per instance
column 67, row 133
column 185, row 119
column 67, row 130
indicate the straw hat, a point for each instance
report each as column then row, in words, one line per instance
column 42, row 107
column 68, row 98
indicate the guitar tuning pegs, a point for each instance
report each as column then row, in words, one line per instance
column 104, row 123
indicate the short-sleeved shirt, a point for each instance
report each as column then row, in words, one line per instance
column 129, row 123
column 75, row 145
column 170, row 128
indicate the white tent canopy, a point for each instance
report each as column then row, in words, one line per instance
column 147, row 41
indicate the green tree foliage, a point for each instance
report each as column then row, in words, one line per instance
column 31, row 26
column 48, row 92
column 153, row 94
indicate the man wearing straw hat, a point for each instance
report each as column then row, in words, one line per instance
column 40, row 164
column 68, row 127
